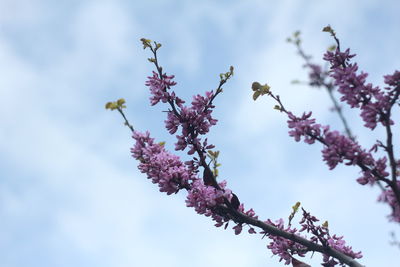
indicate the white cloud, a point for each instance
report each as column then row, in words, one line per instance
column 20, row 12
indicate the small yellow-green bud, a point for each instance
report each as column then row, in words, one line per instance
column 265, row 89
column 295, row 209
column 296, row 206
column 121, row 101
column 255, row 86
column 332, row 47
column 119, row 104
column 256, row 95
column 215, row 172
column 213, row 154
column 277, row 107
column 146, row 42
column 108, row 105
column 111, row 105
column 325, row 224
column 328, row 29
column 158, row 45
column 295, row 82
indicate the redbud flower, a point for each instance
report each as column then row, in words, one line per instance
column 161, row 167
column 373, row 102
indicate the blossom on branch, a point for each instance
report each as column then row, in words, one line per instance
column 388, row 196
column 161, row 167
column 158, row 87
column 286, row 248
column 372, row 101
column 337, row 147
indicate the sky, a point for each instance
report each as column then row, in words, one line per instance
column 70, row 192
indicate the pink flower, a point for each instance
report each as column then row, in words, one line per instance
column 158, row 87
column 373, row 102
column 388, row 196
column 161, row 167
column 393, row 80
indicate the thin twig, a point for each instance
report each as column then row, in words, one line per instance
column 126, row 120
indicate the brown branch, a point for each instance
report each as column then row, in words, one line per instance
column 126, row 120
column 272, row 230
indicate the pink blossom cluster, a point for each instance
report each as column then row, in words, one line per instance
column 194, row 120
column 388, row 196
column 167, row 170
column 337, row 147
column 321, row 234
column 339, row 244
column 158, row 88
column 162, row 167
column 205, row 199
column 171, row 175
column 373, row 102
column 316, row 75
column 284, row 247
column 392, row 80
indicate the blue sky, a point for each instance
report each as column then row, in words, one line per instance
column 70, row 194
